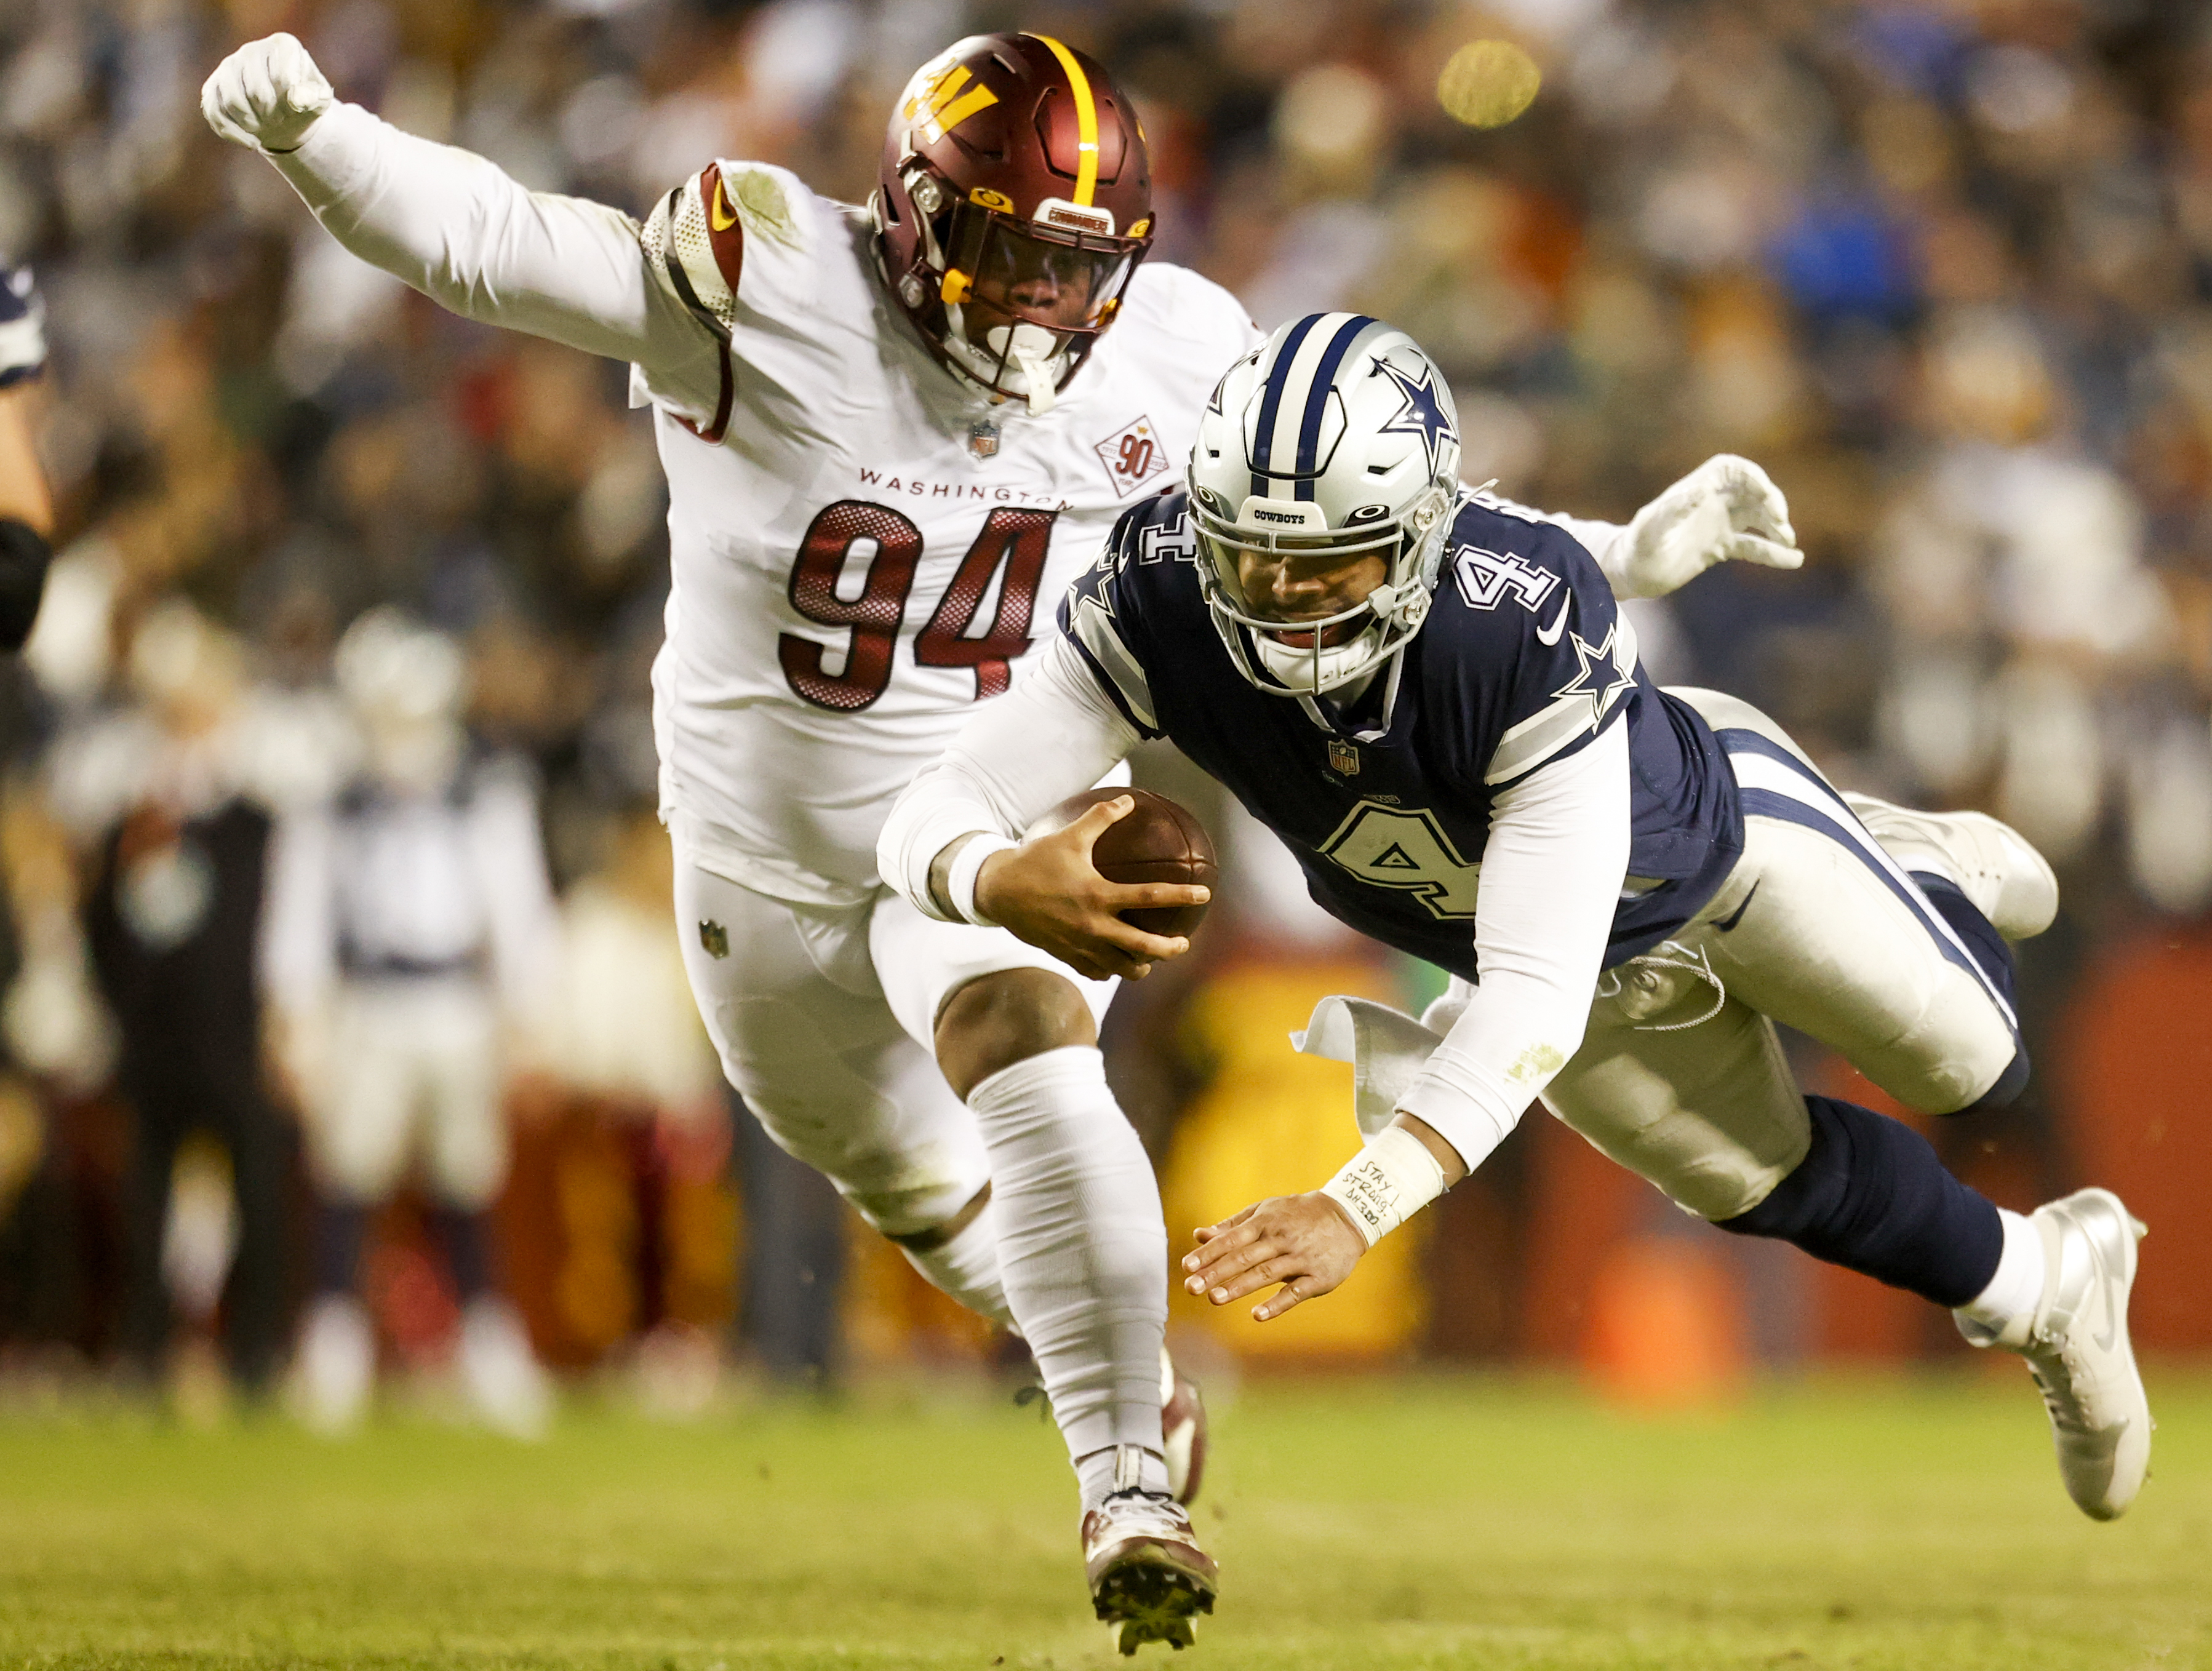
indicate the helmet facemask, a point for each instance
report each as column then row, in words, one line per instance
column 1020, row 304
column 1314, row 656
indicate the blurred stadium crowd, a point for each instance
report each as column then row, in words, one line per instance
column 345, row 648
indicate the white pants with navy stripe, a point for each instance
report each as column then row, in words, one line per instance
column 1817, row 928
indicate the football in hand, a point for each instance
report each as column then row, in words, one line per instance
column 1158, row 841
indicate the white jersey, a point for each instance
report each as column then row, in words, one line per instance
column 863, row 544
column 873, row 544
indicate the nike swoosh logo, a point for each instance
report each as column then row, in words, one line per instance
column 1736, row 916
column 1551, row 634
column 2111, row 1332
column 718, row 214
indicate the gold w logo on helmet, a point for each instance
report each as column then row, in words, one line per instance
column 942, row 105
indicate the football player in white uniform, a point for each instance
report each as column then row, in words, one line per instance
column 890, row 433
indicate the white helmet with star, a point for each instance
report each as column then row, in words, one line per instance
column 1336, row 439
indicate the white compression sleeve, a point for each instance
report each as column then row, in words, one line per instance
column 1608, row 541
column 967, row 1266
column 1018, row 757
column 1552, row 871
column 473, row 240
column 1082, row 1250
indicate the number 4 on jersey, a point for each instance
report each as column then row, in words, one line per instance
column 1392, row 846
column 1018, row 540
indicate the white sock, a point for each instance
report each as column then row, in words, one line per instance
column 1100, row 1474
column 2016, row 1290
column 967, row 1266
column 1082, row 1249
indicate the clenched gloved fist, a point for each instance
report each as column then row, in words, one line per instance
column 1726, row 509
column 267, row 94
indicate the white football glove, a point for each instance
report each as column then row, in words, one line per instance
column 1726, row 509
column 267, row 94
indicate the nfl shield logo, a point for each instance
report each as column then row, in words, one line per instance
column 1344, row 757
column 716, row 939
column 983, row 438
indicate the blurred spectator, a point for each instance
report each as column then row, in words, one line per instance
column 795, row 1248
column 173, row 922
column 409, row 918
column 622, row 1077
column 26, row 507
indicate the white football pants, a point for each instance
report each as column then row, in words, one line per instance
column 1816, row 927
column 825, row 1020
column 414, row 1064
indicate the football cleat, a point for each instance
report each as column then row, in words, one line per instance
column 1149, row 1579
column 1993, row 863
column 334, row 1369
column 2076, row 1347
column 504, row 1382
column 1183, row 1431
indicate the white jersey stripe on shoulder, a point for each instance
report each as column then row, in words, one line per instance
column 1538, row 738
column 1096, row 632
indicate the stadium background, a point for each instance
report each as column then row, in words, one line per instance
column 1946, row 270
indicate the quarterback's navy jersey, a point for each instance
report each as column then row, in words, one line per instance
column 22, row 334
column 1523, row 660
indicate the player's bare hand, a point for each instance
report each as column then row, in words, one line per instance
column 267, row 94
column 1048, row 893
column 1302, row 1241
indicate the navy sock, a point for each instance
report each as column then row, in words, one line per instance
column 1988, row 948
column 1871, row 1196
column 468, row 1248
column 343, row 1227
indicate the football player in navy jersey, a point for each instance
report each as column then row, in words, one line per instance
column 1429, row 695
column 27, row 512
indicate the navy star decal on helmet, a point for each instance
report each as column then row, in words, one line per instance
column 1423, row 413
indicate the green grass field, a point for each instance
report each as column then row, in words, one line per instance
column 1359, row 1524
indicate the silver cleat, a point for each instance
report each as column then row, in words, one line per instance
column 2077, row 1349
column 1994, row 865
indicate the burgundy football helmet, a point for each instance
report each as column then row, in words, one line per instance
column 1016, row 200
